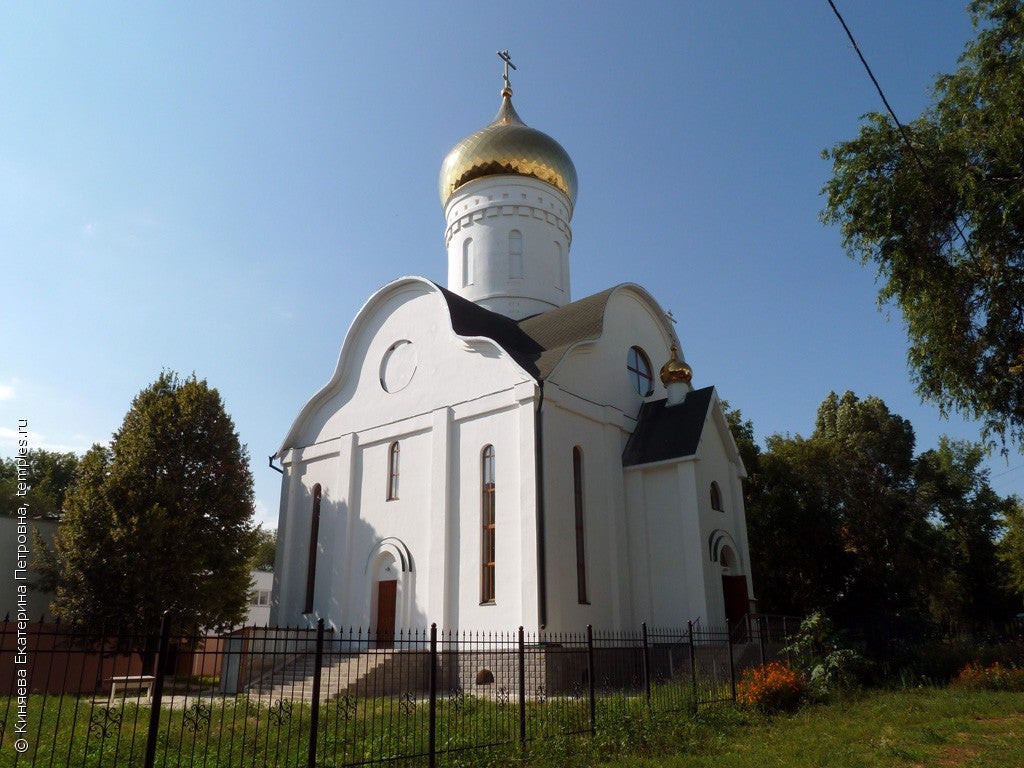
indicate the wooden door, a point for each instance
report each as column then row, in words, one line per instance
column 387, row 591
column 737, row 602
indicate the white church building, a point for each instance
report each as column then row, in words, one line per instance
column 491, row 453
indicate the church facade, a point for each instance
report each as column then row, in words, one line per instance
column 490, row 453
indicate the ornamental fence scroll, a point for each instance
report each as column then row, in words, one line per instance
column 289, row 696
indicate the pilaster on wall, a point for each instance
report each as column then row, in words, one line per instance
column 526, row 439
column 693, row 564
column 439, row 511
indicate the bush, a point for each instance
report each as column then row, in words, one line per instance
column 830, row 664
column 994, row 677
column 771, row 688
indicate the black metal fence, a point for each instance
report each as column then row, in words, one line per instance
column 278, row 696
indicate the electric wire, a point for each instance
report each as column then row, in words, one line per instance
column 892, row 112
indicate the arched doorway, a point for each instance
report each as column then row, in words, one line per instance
column 734, row 590
column 385, row 587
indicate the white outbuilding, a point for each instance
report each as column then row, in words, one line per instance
column 492, row 454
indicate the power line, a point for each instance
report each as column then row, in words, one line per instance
column 892, row 113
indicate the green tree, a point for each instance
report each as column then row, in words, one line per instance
column 940, row 211
column 831, row 520
column 951, row 488
column 870, row 494
column 162, row 519
column 1011, row 549
column 796, row 550
column 266, row 549
column 49, row 474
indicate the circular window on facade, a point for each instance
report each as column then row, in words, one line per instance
column 397, row 366
column 639, row 369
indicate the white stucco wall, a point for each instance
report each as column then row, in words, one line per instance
column 485, row 212
column 462, row 394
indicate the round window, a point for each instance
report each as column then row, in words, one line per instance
column 639, row 369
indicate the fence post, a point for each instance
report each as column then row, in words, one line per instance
column 646, row 665
column 314, row 707
column 693, row 664
column 522, row 689
column 590, row 679
column 432, row 725
column 158, row 690
column 762, row 627
column 732, row 663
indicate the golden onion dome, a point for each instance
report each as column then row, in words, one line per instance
column 675, row 370
column 507, row 146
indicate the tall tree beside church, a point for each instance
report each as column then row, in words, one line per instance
column 49, row 473
column 1011, row 550
column 162, row 519
column 796, row 550
column 966, row 582
column 884, row 537
column 942, row 217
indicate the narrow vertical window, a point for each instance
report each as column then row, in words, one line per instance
column 467, row 261
column 487, row 549
column 581, row 552
column 314, row 532
column 716, row 497
column 515, row 253
column 393, row 472
column 559, row 268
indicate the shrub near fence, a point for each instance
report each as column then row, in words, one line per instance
column 298, row 697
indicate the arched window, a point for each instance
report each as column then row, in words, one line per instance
column 393, row 471
column 314, row 532
column 467, row 261
column 581, row 554
column 639, row 369
column 716, row 497
column 487, row 548
column 515, row 253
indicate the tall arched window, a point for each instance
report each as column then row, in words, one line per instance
column 467, row 261
column 314, row 532
column 487, row 548
column 393, row 471
column 716, row 497
column 515, row 253
column 581, row 554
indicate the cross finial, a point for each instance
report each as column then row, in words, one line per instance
column 503, row 55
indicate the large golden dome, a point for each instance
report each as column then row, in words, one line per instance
column 507, row 146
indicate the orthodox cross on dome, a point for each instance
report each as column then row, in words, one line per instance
column 503, row 55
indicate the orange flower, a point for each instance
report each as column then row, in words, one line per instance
column 773, row 687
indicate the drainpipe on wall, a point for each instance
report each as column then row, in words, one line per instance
column 270, row 461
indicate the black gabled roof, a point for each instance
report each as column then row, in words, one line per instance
column 664, row 432
column 536, row 343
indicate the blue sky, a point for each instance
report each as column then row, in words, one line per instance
column 218, row 187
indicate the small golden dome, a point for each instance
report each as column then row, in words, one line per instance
column 675, row 370
column 507, row 146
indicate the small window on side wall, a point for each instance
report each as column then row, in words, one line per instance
column 716, row 497
column 393, row 471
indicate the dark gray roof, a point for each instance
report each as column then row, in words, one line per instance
column 537, row 343
column 664, row 432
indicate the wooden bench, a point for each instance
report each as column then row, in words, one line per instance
column 133, row 682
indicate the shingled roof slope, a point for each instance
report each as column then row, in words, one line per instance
column 664, row 432
column 536, row 343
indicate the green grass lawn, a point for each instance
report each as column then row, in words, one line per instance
column 923, row 727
